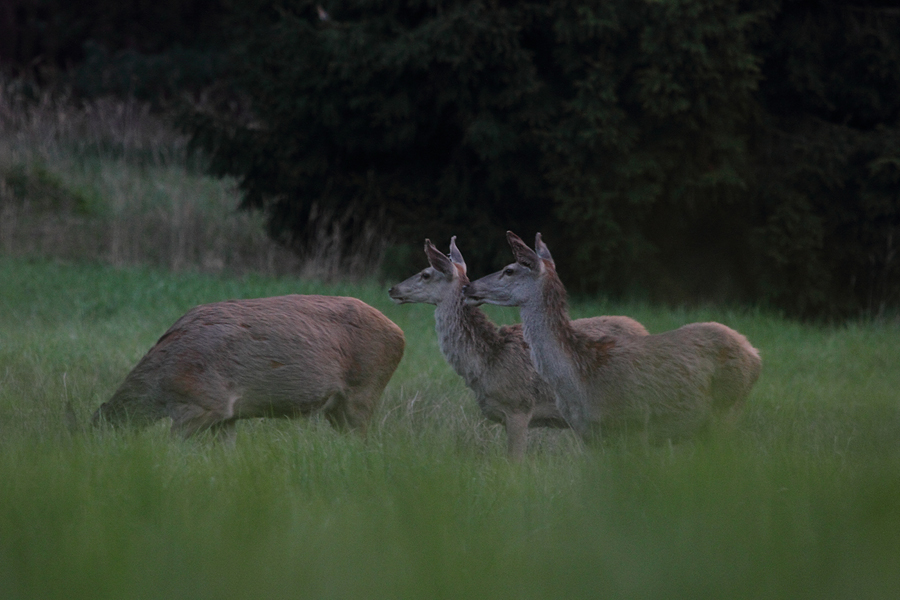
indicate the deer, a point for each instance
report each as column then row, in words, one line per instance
column 494, row 362
column 666, row 386
column 282, row 356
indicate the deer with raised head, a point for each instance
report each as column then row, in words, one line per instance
column 668, row 384
column 269, row 357
column 493, row 361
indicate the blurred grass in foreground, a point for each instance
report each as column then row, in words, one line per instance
column 800, row 500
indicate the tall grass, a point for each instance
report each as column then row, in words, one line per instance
column 110, row 181
column 800, row 500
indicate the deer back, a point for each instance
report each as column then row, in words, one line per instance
column 284, row 355
column 693, row 371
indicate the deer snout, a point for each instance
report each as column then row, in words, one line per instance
column 472, row 299
column 396, row 296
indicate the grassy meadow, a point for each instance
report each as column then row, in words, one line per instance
column 800, row 500
column 108, row 234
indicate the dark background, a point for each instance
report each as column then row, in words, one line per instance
column 677, row 151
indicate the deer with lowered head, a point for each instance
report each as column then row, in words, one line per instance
column 269, row 357
column 668, row 385
column 493, row 361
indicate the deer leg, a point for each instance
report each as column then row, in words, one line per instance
column 224, row 432
column 517, row 435
column 347, row 411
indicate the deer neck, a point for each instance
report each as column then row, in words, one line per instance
column 466, row 336
column 545, row 319
column 553, row 342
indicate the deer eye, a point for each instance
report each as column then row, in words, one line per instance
column 426, row 276
column 508, row 271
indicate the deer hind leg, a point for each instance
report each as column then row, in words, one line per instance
column 353, row 408
column 342, row 409
column 735, row 375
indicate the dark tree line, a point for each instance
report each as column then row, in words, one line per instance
column 147, row 48
column 671, row 149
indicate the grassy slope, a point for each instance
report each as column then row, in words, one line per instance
column 801, row 500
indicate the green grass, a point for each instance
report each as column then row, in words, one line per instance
column 800, row 500
column 111, row 181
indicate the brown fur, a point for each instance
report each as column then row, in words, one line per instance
column 282, row 356
column 493, row 361
column 670, row 383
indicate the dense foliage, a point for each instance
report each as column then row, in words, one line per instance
column 152, row 49
column 595, row 122
column 827, row 157
column 670, row 149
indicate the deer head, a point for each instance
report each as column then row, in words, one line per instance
column 443, row 279
column 516, row 283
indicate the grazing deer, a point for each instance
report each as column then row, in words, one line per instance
column 493, row 361
column 669, row 384
column 269, row 357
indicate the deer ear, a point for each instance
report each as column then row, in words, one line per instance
column 456, row 256
column 437, row 259
column 541, row 248
column 525, row 256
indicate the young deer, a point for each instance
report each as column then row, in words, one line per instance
column 493, row 361
column 668, row 384
column 270, row 357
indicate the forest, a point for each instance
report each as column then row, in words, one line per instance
column 675, row 151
